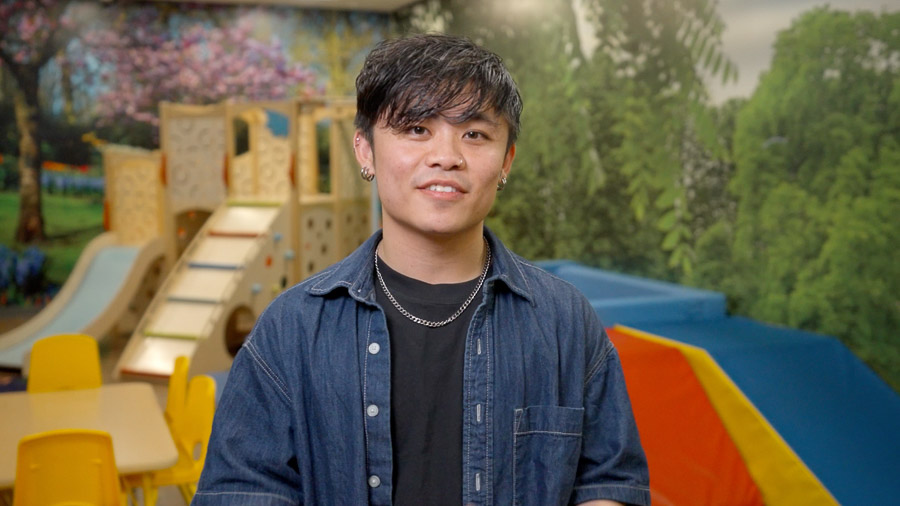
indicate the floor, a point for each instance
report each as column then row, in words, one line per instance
column 110, row 350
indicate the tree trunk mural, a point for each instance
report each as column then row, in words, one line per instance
column 31, row 33
column 31, row 218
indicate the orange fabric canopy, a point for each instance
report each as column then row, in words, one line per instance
column 691, row 456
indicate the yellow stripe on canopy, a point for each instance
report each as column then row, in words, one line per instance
column 779, row 473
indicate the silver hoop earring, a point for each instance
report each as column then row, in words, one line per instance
column 366, row 175
column 502, row 183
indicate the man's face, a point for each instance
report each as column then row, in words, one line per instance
column 438, row 179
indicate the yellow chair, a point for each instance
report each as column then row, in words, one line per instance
column 191, row 437
column 175, row 398
column 68, row 466
column 64, row 362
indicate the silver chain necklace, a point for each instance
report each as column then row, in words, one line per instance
column 429, row 323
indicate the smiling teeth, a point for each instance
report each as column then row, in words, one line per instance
column 444, row 189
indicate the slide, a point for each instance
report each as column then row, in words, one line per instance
column 233, row 267
column 93, row 299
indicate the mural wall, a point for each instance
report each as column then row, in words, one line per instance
column 784, row 200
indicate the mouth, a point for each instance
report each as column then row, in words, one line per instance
column 445, row 187
column 441, row 188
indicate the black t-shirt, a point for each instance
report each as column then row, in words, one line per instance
column 426, row 387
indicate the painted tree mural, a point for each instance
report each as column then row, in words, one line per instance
column 817, row 185
column 145, row 59
column 32, row 32
column 337, row 45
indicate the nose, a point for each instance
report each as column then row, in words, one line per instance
column 445, row 153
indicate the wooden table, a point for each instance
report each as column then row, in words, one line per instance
column 128, row 411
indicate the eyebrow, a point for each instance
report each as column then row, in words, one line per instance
column 478, row 116
column 481, row 116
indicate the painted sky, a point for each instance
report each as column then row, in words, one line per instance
column 750, row 30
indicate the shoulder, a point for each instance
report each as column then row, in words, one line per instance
column 555, row 306
column 562, row 314
column 309, row 291
column 333, row 286
column 546, row 288
column 291, row 310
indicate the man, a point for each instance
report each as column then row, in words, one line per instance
column 432, row 365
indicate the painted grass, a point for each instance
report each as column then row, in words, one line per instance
column 69, row 222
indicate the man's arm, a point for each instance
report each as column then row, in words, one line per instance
column 601, row 502
column 250, row 459
column 612, row 465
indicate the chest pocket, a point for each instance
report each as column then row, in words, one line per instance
column 546, row 447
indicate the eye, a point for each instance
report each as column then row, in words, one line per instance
column 418, row 130
column 475, row 135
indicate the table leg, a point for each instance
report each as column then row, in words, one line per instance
column 150, row 492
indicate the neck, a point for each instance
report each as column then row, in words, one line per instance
column 434, row 260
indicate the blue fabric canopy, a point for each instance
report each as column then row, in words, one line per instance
column 840, row 418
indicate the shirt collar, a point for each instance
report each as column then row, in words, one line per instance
column 355, row 272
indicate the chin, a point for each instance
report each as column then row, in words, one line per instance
column 437, row 229
column 446, row 232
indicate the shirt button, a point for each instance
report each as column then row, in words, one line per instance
column 374, row 481
column 372, row 410
column 374, row 348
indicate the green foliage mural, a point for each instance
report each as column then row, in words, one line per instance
column 817, row 187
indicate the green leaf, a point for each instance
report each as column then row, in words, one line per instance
column 668, row 220
column 672, row 239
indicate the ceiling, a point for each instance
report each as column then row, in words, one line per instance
column 356, row 5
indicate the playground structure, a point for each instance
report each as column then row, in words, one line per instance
column 241, row 201
column 285, row 205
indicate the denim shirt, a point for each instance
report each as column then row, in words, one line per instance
column 305, row 414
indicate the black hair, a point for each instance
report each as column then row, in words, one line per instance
column 405, row 81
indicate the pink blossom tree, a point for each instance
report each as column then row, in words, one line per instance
column 31, row 33
column 149, row 61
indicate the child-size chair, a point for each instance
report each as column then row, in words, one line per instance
column 64, row 362
column 175, row 398
column 191, row 437
column 67, row 466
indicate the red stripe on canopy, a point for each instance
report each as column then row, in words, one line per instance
column 692, row 459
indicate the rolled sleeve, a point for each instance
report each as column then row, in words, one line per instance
column 612, row 464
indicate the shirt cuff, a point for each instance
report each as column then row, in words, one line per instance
column 626, row 494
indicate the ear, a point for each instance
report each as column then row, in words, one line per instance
column 365, row 156
column 508, row 160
